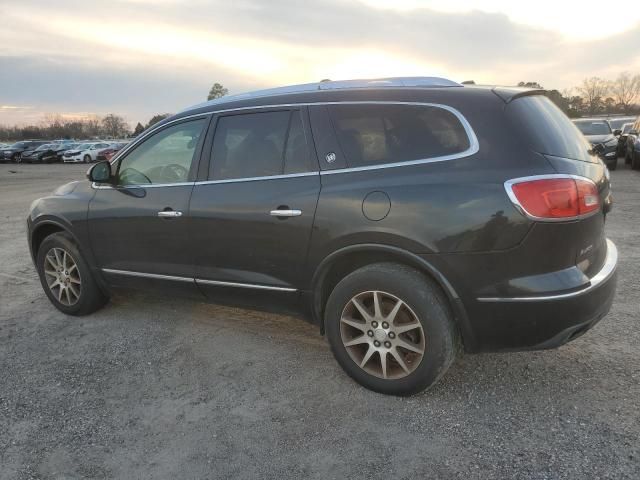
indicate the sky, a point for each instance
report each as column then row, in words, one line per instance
column 137, row 58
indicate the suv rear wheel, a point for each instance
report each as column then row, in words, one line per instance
column 66, row 278
column 390, row 328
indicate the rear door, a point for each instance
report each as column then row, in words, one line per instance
column 251, row 219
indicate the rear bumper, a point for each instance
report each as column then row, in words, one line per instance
column 545, row 321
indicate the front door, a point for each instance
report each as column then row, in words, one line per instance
column 138, row 226
column 252, row 219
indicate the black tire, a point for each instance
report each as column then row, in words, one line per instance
column 91, row 298
column 627, row 157
column 87, row 159
column 424, row 299
column 17, row 158
column 635, row 161
column 613, row 165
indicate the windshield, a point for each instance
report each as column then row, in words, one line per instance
column 43, row 147
column 627, row 127
column 593, row 127
column 19, row 145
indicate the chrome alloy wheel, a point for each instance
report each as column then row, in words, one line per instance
column 63, row 276
column 382, row 335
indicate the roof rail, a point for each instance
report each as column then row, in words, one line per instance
column 423, row 82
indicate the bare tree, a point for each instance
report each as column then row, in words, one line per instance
column 593, row 89
column 114, row 126
column 625, row 90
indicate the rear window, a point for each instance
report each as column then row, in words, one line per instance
column 593, row 127
column 546, row 129
column 376, row 134
column 618, row 122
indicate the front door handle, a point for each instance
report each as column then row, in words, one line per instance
column 169, row 214
column 285, row 213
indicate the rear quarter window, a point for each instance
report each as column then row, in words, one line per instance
column 376, row 134
column 546, row 129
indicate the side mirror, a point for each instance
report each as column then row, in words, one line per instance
column 598, row 148
column 617, row 132
column 100, row 172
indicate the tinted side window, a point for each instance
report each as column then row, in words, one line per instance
column 378, row 134
column 164, row 157
column 547, row 129
column 249, row 145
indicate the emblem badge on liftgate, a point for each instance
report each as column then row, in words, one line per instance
column 331, row 157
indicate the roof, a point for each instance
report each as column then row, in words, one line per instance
column 413, row 82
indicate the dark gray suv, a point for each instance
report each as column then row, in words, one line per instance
column 411, row 219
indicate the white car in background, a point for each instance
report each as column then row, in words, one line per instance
column 84, row 153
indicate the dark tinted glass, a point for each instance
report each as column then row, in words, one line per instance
column 296, row 155
column 378, row 134
column 249, row 145
column 547, row 129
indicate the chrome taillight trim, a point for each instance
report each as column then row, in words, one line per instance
column 508, row 186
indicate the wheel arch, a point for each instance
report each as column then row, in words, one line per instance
column 45, row 227
column 340, row 263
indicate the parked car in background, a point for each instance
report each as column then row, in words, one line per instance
column 409, row 218
column 632, row 155
column 622, row 140
column 14, row 152
column 599, row 134
column 110, row 151
column 84, row 153
column 49, row 153
column 43, row 154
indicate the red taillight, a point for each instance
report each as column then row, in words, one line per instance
column 555, row 197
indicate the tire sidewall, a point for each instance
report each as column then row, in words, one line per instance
column 424, row 298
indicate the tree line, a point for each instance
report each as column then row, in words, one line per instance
column 54, row 126
column 594, row 96
column 597, row 96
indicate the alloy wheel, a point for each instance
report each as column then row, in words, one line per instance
column 382, row 334
column 62, row 276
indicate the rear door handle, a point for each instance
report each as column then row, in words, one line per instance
column 169, row 214
column 285, row 213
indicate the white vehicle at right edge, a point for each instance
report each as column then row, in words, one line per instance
column 86, row 152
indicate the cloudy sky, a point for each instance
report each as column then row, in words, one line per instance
column 141, row 57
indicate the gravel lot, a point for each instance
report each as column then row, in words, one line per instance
column 159, row 388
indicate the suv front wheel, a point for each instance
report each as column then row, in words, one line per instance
column 391, row 329
column 66, row 278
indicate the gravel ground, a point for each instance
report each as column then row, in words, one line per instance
column 160, row 388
